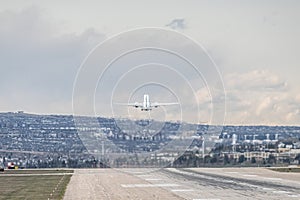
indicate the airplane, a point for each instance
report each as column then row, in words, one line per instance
column 147, row 105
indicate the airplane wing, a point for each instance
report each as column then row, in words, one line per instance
column 136, row 104
column 156, row 104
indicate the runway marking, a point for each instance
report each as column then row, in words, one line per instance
column 183, row 190
column 250, row 175
column 145, row 175
column 206, row 199
column 293, row 195
column 281, row 192
column 267, row 189
column 153, row 179
column 133, row 172
column 149, row 185
column 274, row 179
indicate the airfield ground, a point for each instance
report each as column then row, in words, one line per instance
column 113, row 184
column 191, row 184
column 34, row 184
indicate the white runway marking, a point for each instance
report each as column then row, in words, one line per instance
column 281, row 192
column 250, row 175
column 206, row 199
column 293, row 195
column 183, row 190
column 272, row 179
column 148, row 185
column 144, row 175
column 267, row 189
column 153, row 179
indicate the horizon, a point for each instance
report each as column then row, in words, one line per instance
column 171, row 121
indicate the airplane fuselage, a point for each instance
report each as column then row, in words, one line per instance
column 146, row 103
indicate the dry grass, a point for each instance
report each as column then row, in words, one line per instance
column 36, row 171
column 33, row 185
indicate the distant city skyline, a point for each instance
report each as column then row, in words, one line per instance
column 254, row 44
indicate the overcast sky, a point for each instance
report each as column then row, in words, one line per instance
column 255, row 45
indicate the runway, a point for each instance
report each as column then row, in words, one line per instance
column 191, row 184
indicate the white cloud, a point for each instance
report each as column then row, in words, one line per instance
column 38, row 64
column 255, row 80
column 203, row 95
column 263, row 105
column 260, row 97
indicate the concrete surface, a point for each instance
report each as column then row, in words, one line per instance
column 191, row 184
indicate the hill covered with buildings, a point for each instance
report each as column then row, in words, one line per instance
column 33, row 141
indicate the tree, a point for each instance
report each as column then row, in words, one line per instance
column 297, row 157
column 214, row 159
column 207, row 159
column 271, row 159
column 226, row 159
column 241, row 158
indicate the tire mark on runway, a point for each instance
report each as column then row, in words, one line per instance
column 238, row 185
column 250, row 182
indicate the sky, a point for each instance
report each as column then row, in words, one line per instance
column 254, row 45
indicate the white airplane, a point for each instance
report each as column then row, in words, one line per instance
column 147, row 105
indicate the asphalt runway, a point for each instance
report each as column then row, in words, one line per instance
column 191, row 184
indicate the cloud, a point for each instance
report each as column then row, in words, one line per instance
column 177, row 24
column 263, row 105
column 255, row 80
column 260, row 97
column 38, row 64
